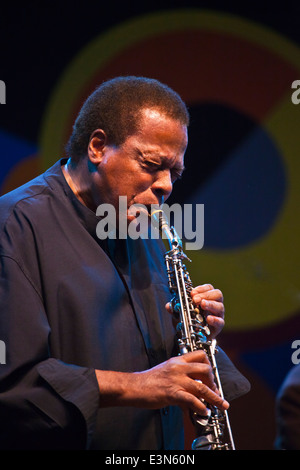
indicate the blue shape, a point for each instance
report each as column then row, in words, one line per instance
column 13, row 150
column 244, row 197
column 271, row 364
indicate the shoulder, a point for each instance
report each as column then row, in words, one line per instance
column 22, row 209
column 291, row 384
column 12, row 200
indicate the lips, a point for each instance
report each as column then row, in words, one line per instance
column 136, row 210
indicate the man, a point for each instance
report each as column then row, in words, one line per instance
column 90, row 348
column 288, row 412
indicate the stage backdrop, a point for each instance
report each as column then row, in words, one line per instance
column 236, row 76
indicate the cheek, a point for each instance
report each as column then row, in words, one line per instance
column 143, row 185
column 137, row 182
column 127, row 181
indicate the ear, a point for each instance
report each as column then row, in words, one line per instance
column 98, row 141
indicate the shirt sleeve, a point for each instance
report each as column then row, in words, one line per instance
column 234, row 384
column 44, row 402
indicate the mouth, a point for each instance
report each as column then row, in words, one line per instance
column 138, row 210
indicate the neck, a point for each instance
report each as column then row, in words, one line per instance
column 78, row 178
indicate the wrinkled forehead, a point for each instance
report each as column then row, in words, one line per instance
column 158, row 124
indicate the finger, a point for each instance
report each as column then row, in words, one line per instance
column 215, row 325
column 197, row 402
column 211, row 397
column 201, row 289
column 214, row 307
column 196, row 356
column 215, row 322
column 212, row 294
column 188, row 401
column 199, row 368
column 201, row 373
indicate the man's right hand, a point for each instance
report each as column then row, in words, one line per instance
column 184, row 381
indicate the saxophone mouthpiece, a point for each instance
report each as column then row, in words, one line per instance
column 159, row 219
column 161, row 222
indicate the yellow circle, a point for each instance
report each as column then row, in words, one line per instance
column 260, row 281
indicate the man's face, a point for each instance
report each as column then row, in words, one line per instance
column 146, row 165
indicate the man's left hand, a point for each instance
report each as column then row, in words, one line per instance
column 211, row 302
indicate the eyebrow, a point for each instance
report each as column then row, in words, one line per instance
column 180, row 168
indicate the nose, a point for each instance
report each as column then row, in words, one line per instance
column 162, row 186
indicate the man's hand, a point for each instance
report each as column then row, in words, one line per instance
column 183, row 381
column 211, row 302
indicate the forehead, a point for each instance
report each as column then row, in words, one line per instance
column 155, row 127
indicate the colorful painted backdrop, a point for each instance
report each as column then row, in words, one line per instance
column 235, row 70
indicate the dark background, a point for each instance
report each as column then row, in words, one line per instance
column 38, row 42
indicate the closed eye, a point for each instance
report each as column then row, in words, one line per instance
column 175, row 174
column 152, row 165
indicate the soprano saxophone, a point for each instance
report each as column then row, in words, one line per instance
column 213, row 431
